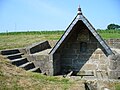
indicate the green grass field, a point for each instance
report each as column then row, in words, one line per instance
column 21, row 39
column 108, row 34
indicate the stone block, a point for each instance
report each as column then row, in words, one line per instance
column 29, row 57
column 92, row 38
column 85, row 72
column 52, row 42
column 103, row 61
column 98, row 51
column 75, row 45
column 112, row 64
column 96, row 56
column 89, row 67
column 113, row 57
column 41, row 57
column 102, row 67
column 118, row 64
column 112, row 74
column 23, row 50
column 118, row 74
column 67, row 45
column 92, row 61
column 114, row 43
column 92, row 46
column 116, row 40
column 103, row 56
column 92, row 56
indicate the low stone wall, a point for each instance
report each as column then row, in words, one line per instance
column 114, row 66
column 113, row 43
column 37, row 47
column 41, row 61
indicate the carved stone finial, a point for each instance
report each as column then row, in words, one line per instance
column 79, row 11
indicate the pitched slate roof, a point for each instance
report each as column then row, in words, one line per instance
column 78, row 17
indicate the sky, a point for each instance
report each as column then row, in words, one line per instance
column 37, row 15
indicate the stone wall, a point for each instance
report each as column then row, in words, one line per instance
column 79, row 53
column 114, row 66
column 82, row 62
column 37, row 47
column 41, row 61
column 113, row 43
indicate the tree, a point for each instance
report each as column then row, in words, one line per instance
column 113, row 26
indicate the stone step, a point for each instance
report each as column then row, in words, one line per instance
column 27, row 66
column 19, row 61
column 36, row 69
column 14, row 56
column 9, row 52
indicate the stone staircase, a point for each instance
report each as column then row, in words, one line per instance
column 15, row 57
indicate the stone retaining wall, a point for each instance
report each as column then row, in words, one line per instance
column 113, row 43
column 41, row 61
column 114, row 66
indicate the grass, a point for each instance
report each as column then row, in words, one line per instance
column 108, row 34
column 14, row 78
column 117, row 86
column 21, row 39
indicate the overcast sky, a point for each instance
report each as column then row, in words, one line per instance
column 30, row 15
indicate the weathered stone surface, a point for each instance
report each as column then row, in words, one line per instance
column 90, row 73
column 112, row 74
column 118, row 74
column 103, row 56
column 89, row 67
column 96, row 56
column 114, row 43
column 112, row 57
column 102, row 67
column 41, row 61
column 112, row 64
column 92, row 46
column 37, row 47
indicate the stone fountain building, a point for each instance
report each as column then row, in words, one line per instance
column 81, row 49
column 83, row 52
